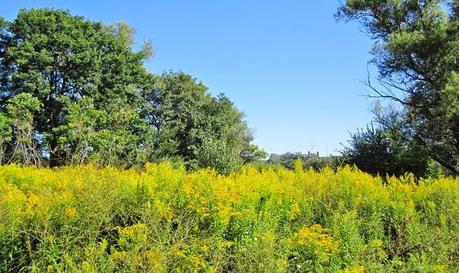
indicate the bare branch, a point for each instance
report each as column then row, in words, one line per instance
column 388, row 94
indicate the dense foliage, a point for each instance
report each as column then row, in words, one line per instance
column 386, row 146
column 378, row 151
column 163, row 219
column 416, row 51
column 195, row 127
column 74, row 91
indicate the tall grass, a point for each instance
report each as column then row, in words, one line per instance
column 162, row 219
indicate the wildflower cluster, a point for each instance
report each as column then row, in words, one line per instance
column 163, row 219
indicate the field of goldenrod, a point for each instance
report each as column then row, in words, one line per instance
column 163, row 219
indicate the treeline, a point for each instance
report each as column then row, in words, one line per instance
column 308, row 161
column 74, row 91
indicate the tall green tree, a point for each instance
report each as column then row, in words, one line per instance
column 416, row 50
column 64, row 60
column 193, row 126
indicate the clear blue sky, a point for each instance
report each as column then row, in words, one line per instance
column 288, row 65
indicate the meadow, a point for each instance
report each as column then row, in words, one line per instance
column 165, row 219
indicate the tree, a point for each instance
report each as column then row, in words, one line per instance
column 378, row 152
column 66, row 62
column 416, row 53
column 193, row 126
column 227, row 124
column 386, row 146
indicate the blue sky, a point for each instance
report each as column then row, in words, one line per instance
column 288, row 65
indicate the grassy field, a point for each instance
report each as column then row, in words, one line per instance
column 163, row 219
